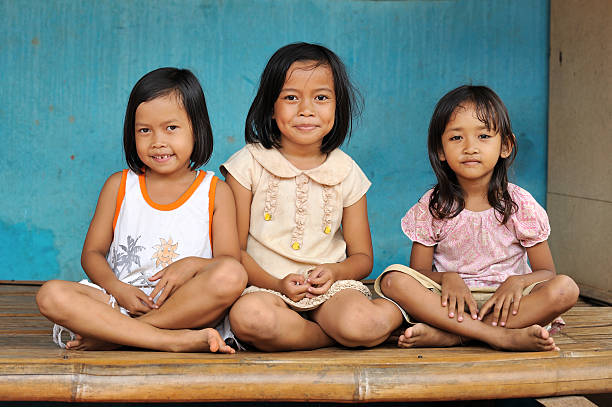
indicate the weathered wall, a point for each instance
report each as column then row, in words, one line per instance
column 580, row 181
column 67, row 67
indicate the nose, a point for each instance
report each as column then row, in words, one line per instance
column 158, row 139
column 471, row 146
column 305, row 107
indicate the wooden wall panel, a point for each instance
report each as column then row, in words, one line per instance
column 579, row 196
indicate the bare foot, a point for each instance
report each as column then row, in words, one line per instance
column 204, row 340
column 80, row 343
column 425, row 336
column 532, row 338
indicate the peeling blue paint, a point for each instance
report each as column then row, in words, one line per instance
column 67, row 67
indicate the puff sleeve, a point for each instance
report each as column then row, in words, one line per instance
column 530, row 221
column 354, row 186
column 419, row 225
column 242, row 167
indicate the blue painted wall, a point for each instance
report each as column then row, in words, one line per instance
column 67, row 67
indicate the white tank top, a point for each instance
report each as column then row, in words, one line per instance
column 149, row 236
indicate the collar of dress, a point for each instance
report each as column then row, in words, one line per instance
column 333, row 171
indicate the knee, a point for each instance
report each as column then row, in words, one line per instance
column 230, row 279
column 51, row 296
column 363, row 326
column 388, row 282
column 253, row 321
column 561, row 293
column 564, row 292
column 392, row 281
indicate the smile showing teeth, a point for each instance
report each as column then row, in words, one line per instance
column 161, row 157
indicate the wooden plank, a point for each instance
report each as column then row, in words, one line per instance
column 32, row 368
column 240, row 378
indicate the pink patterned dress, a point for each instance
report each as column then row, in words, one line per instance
column 475, row 244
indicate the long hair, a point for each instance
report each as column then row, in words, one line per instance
column 447, row 199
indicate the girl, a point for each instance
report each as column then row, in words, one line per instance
column 149, row 248
column 294, row 191
column 472, row 236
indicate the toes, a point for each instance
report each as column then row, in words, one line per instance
column 404, row 342
column 404, row 345
column 228, row 349
column 73, row 344
column 540, row 332
column 408, row 333
column 543, row 333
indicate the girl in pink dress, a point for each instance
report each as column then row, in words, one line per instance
column 479, row 242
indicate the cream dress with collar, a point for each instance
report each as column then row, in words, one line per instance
column 296, row 215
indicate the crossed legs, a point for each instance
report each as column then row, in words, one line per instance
column 522, row 332
column 265, row 321
column 200, row 302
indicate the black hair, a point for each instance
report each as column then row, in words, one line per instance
column 261, row 127
column 163, row 82
column 447, row 198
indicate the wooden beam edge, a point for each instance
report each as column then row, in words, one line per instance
column 437, row 382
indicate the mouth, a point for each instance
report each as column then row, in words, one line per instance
column 162, row 157
column 470, row 163
column 306, row 127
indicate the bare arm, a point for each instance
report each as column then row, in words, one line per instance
column 541, row 262
column 358, row 263
column 356, row 231
column 224, row 230
column 97, row 243
column 100, row 235
column 508, row 295
column 421, row 260
column 257, row 275
column 455, row 292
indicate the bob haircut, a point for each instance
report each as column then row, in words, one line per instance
column 447, row 198
column 163, row 82
column 261, row 127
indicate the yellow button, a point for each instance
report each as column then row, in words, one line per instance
column 327, row 230
column 267, row 216
column 295, row 246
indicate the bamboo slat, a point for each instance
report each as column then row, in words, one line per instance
column 32, row 368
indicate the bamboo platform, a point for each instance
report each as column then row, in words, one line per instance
column 32, row 368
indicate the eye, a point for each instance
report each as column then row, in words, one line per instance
column 455, row 138
column 321, row 97
column 172, row 127
column 290, row 97
column 143, row 130
column 484, row 136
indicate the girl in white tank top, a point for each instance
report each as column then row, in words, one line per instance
column 162, row 252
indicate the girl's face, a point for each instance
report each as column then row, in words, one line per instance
column 306, row 106
column 164, row 139
column 470, row 149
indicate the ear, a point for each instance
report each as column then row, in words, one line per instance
column 506, row 148
column 441, row 155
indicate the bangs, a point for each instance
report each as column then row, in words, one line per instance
column 492, row 114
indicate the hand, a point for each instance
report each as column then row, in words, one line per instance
column 171, row 278
column 456, row 294
column 508, row 293
column 294, row 287
column 132, row 298
column 320, row 279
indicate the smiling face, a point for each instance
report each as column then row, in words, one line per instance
column 164, row 139
column 470, row 148
column 306, row 106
